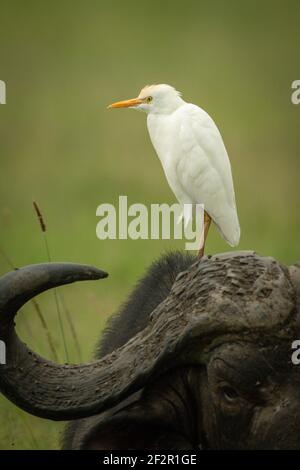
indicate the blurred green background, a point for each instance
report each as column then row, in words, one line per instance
column 63, row 62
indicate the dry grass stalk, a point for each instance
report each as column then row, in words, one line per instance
column 46, row 329
column 39, row 216
column 72, row 327
column 60, row 320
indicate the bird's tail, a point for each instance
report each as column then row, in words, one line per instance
column 229, row 227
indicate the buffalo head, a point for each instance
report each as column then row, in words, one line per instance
column 211, row 366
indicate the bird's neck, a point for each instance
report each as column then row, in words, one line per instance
column 168, row 107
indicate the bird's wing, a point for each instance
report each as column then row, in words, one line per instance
column 205, row 170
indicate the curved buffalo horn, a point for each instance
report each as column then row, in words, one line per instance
column 219, row 297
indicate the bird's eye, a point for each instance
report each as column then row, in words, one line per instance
column 229, row 394
column 149, row 99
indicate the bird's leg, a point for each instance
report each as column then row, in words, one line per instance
column 207, row 221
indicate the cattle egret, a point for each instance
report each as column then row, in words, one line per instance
column 193, row 155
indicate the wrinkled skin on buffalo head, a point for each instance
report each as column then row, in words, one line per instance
column 245, row 398
column 198, row 357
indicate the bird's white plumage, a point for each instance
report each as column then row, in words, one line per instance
column 191, row 150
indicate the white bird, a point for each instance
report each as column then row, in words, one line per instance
column 193, row 155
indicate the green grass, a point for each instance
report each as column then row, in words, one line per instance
column 63, row 62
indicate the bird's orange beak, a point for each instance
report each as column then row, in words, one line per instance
column 126, row 103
